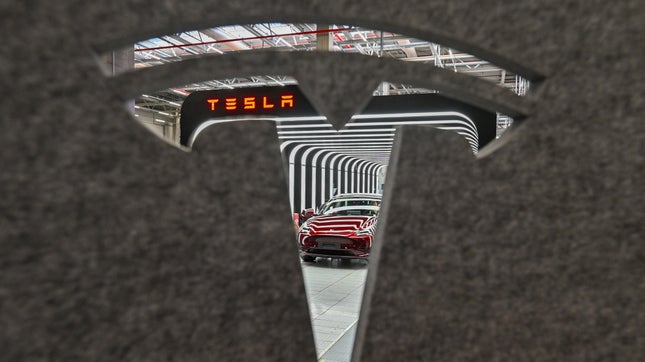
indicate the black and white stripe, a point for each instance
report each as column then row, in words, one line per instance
column 354, row 159
column 322, row 162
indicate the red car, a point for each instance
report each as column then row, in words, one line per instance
column 343, row 228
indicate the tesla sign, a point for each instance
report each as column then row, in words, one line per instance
column 272, row 102
column 251, row 102
column 288, row 102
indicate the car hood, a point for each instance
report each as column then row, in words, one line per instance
column 339, row 224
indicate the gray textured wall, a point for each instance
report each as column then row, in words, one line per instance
column 534, row 252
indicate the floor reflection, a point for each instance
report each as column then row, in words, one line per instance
column 334, row 291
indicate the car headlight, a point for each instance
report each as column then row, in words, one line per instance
column 304, row 229
column 364, row 232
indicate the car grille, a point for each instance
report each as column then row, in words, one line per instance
column 335, row 245
column 333, row 239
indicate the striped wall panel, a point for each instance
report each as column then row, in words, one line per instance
column 321, row 161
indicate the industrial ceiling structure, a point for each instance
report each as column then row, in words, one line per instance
column 303, row 37
column 162, row 109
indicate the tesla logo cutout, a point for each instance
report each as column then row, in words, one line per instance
column 251, row 103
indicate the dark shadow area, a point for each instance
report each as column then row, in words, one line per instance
column 338, row 263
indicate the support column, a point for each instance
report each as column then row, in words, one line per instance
column 118, row 62
column 323, row 40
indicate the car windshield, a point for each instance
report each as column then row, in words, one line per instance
column 363, row 207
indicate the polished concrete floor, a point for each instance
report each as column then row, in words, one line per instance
column 334, row 292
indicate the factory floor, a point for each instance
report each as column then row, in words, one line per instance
column 334, row 293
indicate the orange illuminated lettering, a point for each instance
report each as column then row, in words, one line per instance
column 249, row 102
column 266, row 104
column 212, row 102
column 286, row 100
column 231, row 104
